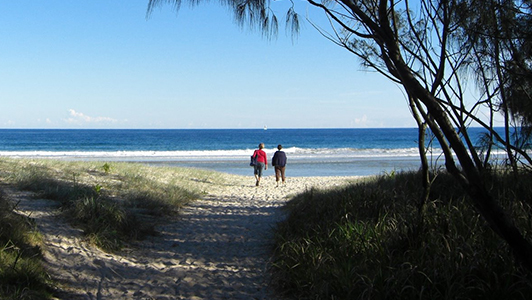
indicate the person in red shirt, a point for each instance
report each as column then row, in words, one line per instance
column 262, row 163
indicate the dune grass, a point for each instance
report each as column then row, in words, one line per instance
column 111, row 202
column 21, row 273
column 370, row 241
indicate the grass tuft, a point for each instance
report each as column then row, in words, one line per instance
column 106, row 223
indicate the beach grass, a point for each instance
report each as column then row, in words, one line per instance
column 22, row 275
column 371, row 240
column 112, row 203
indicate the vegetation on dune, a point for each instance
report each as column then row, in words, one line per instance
column 21, row 273
column 111, row 203
column 373, row 240
column 378, row 238
column 106, row 201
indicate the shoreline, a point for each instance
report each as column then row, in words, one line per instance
column 296, row 167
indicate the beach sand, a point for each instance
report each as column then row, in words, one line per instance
column 218, row 247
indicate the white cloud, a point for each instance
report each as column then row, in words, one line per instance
column 361, row 121
column 78, row 118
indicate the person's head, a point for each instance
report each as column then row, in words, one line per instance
column 279, row 147
column 261, row 145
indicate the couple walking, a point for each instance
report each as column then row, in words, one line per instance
column 278, row 161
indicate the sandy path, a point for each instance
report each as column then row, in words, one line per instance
column 217, row 248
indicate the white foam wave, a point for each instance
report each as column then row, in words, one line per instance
column 293, row 152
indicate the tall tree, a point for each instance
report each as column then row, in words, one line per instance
column 421, row 46
column 498, row 34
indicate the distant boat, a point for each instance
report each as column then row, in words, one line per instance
column 265, row 127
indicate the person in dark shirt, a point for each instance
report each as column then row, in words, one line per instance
column 279, row 163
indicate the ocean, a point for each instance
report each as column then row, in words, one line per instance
column 310, row 152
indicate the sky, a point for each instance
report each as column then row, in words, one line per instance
column 105, row 64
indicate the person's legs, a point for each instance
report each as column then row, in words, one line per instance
column 258, row 176
column 277, row 174
column 256, row 172
column 282, row 169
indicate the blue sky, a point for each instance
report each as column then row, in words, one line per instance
column 103, row 64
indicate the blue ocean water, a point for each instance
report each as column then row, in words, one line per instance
column 311, row 152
